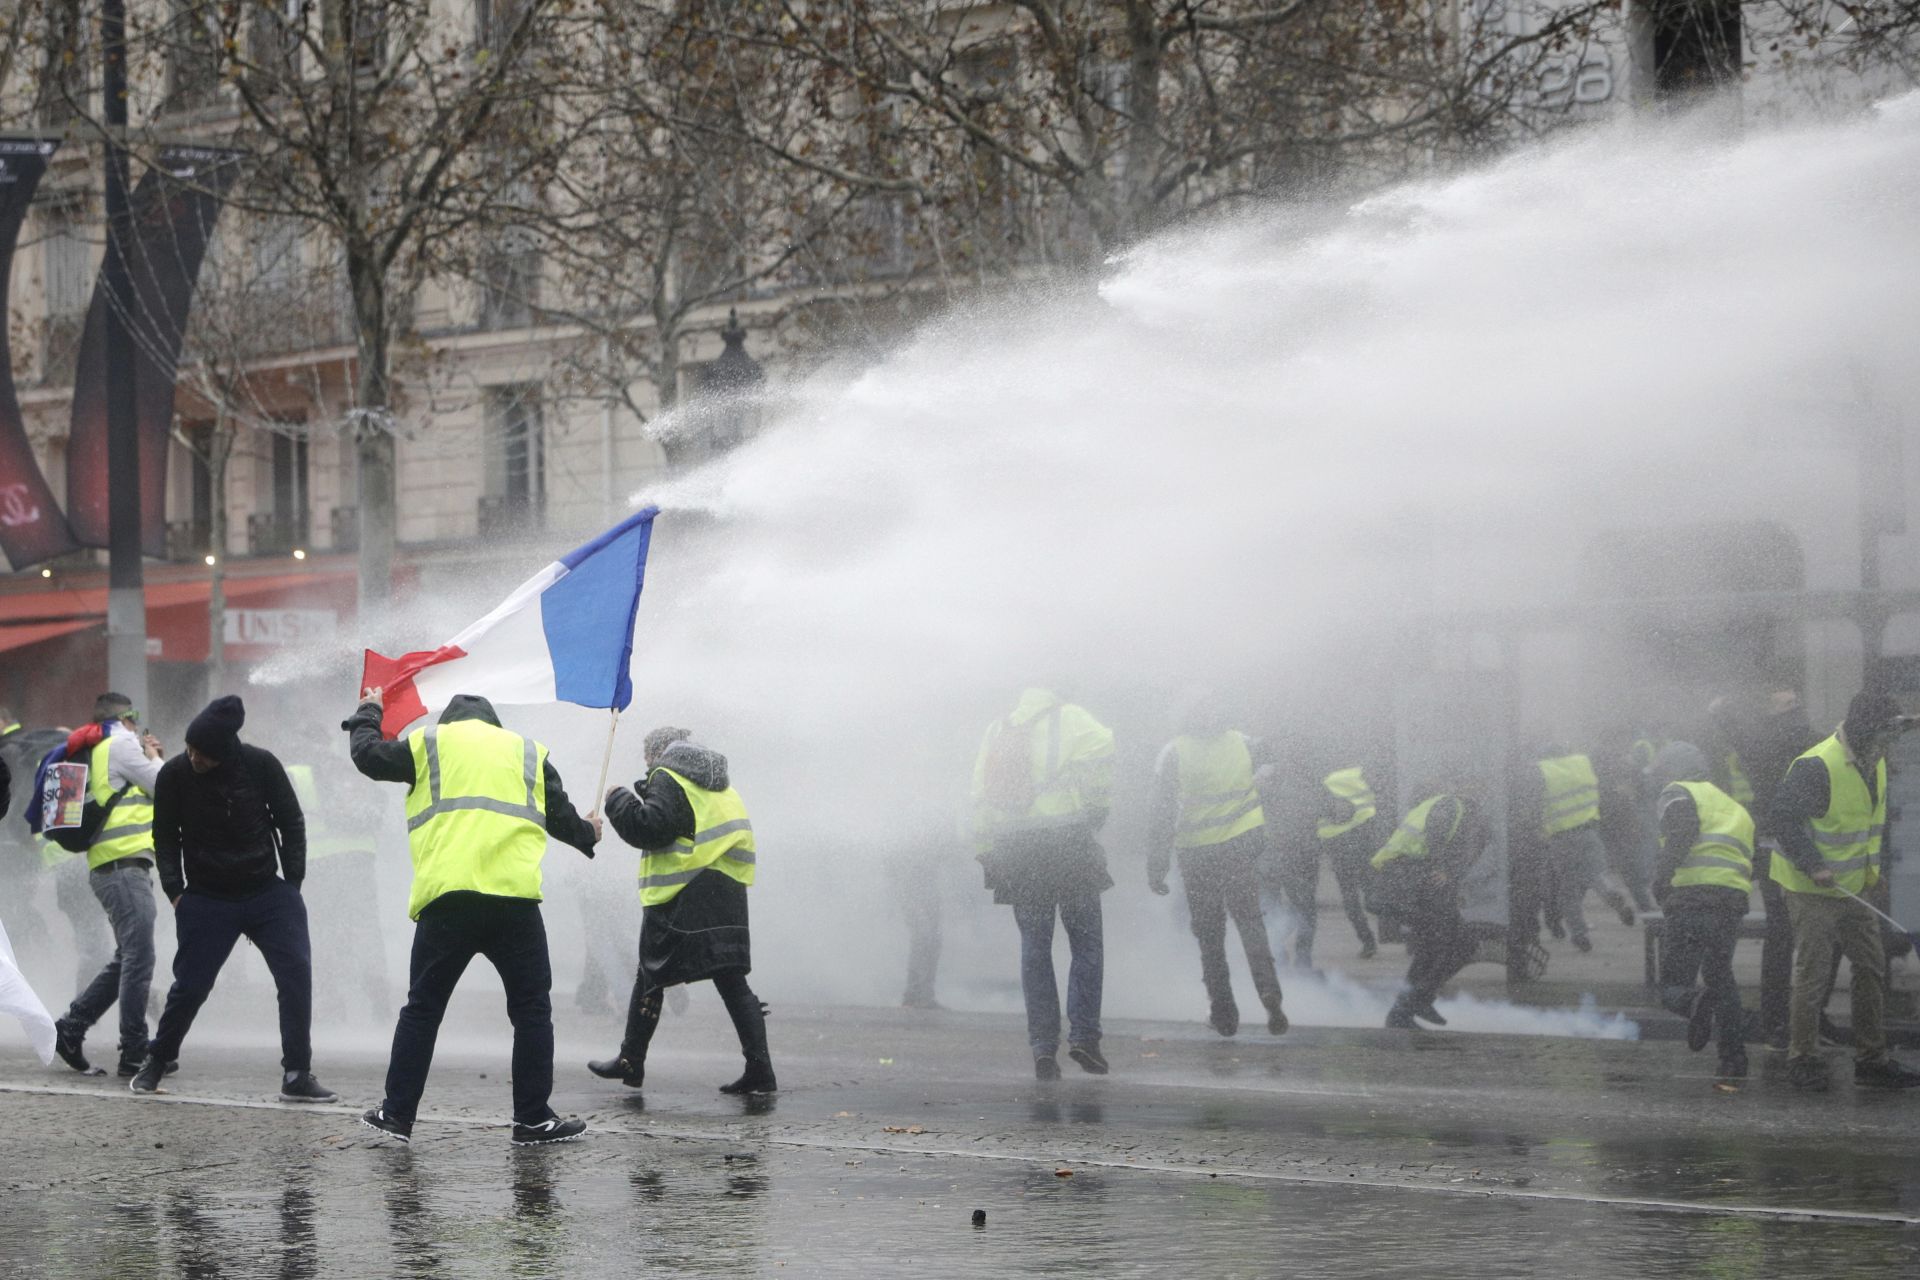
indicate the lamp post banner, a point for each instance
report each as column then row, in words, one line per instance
column 174, row 207
column 32, row 528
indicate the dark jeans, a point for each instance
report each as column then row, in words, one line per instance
column 1222, row 882
column 1776, row 954
column 1701, row 939
column 1439, row 943
column 125, row 891
column 274, row 920
column 451, row 931
column 1300, row 877
column 1080, row 915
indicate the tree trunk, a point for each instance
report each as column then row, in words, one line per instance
column 374, row 449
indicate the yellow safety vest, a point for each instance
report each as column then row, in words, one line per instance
column 1571, row 796
column 127, row 831
column 477, row 813
column 1218, row 800
column 1071, row 768
column 1739, row 786
column 1848, row 833
column 1409, row 840
column 321, row 843
column 1643, row 750
column 1350, row 785
column 722, row 840
column 1722, row 854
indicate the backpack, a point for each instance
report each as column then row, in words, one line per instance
column 94, row 816
column 1009, row 770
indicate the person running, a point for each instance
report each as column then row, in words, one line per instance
column 224, row 813
column 481, row 804
column 1420, row 872
column 699, row 860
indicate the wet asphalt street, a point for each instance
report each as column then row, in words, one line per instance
column 1329, row 1152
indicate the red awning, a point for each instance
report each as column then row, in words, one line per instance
column 20, row 635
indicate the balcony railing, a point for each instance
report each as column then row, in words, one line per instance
column 188, row 539
column 272, row 534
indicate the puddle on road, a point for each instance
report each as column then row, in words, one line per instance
column 468, row 1205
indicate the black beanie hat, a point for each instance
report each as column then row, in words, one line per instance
column 1870, row 713
column 216, row 731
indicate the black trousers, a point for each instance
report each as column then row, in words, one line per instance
column 1776, row 956
column 1701, row 939
column 451, row 931
column 1438, row 941
column 1221, row 881
column 274, row 920
column 1349, row 854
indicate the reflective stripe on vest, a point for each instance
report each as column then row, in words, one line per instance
column 722, row 841
column 1722, row 854
column 1409, row 840
column 1218, row 800
column 1739, row 786
column 1350, row 785
column 476, row 815
column 1849, row 833
column 1570, row 797
column 127, row 830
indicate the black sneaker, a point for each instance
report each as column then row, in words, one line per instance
column 398, row 1130
column 630, row 1074
column 1583, row 944
column 1224, row 1018
column 1368, row 950
column 1885, row 1073
column 147, row 1078
column 1401, row 1019
column 1699, row 1022
column 1427, row 1013
column 1277, row 1023
column 67, row 1041
column 1088, row 1056
column 1733, row 1066
column 548, row 1131
column 1808, row 1073
column 304, row 1088
column 1046, row 1068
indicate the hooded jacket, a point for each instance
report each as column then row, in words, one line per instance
column 656, row 812
column 385, row 761
column 220, row 833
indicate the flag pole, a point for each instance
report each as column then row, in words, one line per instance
column 606, row 762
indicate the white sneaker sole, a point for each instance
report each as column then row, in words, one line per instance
column 324, row 1097
column 548, row 1142
column 388, row 1133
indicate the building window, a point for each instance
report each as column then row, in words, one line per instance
column 1696, row 44
column 279, row 32
column 67, row 270
column 509, row 285
column 63, row 82
column 494, row 21
column 195, row 52
column 515, row 496
column 279, row 521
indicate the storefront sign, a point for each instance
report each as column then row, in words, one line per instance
column 280, row 626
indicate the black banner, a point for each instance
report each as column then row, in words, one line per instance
column 173, row 209
column 31, row 526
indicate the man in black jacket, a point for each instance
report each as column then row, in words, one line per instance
column 223, row 814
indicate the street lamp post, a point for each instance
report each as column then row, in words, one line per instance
column 729, row 384
column 126, row 589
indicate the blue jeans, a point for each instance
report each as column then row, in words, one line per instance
column 1080, row 914
column 125, row 891
column 274, row 920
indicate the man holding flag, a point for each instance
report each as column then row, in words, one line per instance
column 483, row 801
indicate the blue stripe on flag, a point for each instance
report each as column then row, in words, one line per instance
column 588, row 614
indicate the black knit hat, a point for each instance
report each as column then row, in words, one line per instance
column 216, row 731
column 1869, row 714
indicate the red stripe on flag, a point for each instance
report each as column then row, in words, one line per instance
column 394, row 677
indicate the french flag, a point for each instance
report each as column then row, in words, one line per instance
column 564, row 635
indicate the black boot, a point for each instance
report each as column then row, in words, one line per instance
column 629, row 1066
column 750, row 1023
column 627, row 1072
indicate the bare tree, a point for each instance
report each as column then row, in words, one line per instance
column 390, row 132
